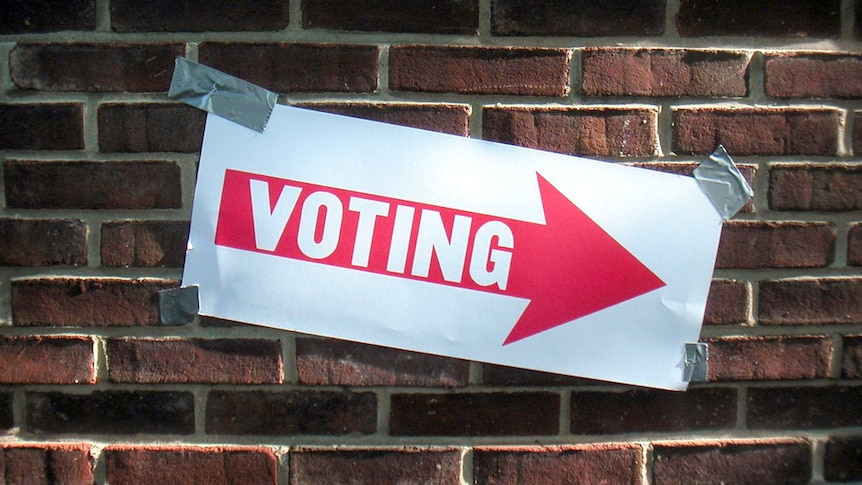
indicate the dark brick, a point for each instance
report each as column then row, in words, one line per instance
column 843, row 460
column 394, row 465
column 297, row 67
column 769, row 358
column 788, row 18
column 580, row 18
column 418, row 16
column 66, row 464
column 26, row 17
column 608, row 132
column 852, row 365
column 199, row 16
column 186, row 465
column 804, row 407
column 616, row 464
column 727, row 303
column 687, row 168
column 92, row 185
column 791, row 75
column 42, row 242
column 58, row 126
column 144, row 243
column 111, row 412
column 761, row 244
column 150, row 127
column 475, row 414
column 828, row 187
column 810, row 302
column 498, row 375
column 445, row 118
column 7, row 419
column 857, row 14
column 47, row 360
column 600, row 412
column 212, row 322
column 291, row 413
column 479, row 70
column 857, row 132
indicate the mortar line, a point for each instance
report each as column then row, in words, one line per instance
column 670, row 30
column 848, row 20
column 103, row 16
column 818, row 458
column 485, row 14
column 294, row 14
column 467, row 466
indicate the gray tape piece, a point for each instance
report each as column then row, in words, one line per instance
column 723, row 183
column 178, row 306
column 222, row 94
column 696, row 362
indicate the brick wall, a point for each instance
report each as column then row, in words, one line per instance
column 98, row 171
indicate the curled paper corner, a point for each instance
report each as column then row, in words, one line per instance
column 178, row 306
column 696, row 362
column 222, row 94
column 723, row 183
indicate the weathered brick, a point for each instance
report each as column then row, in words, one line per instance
column 756, row 131
column 822, row 187
column 599, row 463
column 852, row 366
column 331, row 362
column 144, row 243
column 843, row 460
column 86, row 302
column 92, row 185
column 23, row 17
column 580, row 18
column 47, row 360
column 111, row 412
column 600, row 412
column 291, row 413
column 150, row 127
column 94, row 67
column 393, row 465
column 445, row 118
column 498, row 375
column 762, row 462
column 761, row 244
column 213, row 361
column 857, row 132
column 186, row 465
column 206, row 321
column 769, row 358
column 664, row 72
column 727, row 303
column 479, row 70
column 42, row 242
column 56, row 126
column 7, row 419
column 804, row 407
column 810, row 301
column 595, row 131
column 788, row 18
column 66, row 464
column 297, row 67
column 418, row 16
column 793, row 75
column 475, row 414
column 748, row 172
column 199, row 16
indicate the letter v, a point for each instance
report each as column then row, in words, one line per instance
column 270, row 221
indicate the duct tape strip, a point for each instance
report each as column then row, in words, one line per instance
column 178, row 306
column 696, row 362
column 222, row 94
column 722, row 182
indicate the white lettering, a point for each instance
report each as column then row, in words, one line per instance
column 483, row 255
column 369, row 211
column 451, row 253
column 401, row 231
column 331, row 225
column 269, row 223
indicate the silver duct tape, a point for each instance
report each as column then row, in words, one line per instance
column 723, row 183
column 696, row 362
column 222, row 94
column 178, row 306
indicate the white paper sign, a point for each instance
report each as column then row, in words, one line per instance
column 394, row 236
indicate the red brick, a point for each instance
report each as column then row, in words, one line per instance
column 825, row 187
column 417, row 16
column 769, row 358
column 186, row 465
column 857, row 132
column 150, row 127
column 792, row 75
column 56, row 126
column 199, row 16
column 727, row 303
column 475, row 414
column 23, row 17
column 94, row 67
column 479, row 70
column 852, row 365
column 761, row 244
column 291, row 413
column 843, row 460
column 788, row 18
column 297, row 67
column 445, row 118
column 144, row 243
column 810, row 301
column 664, row 72
column 331, row 362
column 580, row 18
column 762, row 462
column 498, row 375
column 596, row 131
column 66, row 464
column 87, row 302
column 47, row 360
column 111, row 412
column 213, row 361
column 92, row 185
column 394, row 465
column 857, row 14
column 804, row 407
column 687, row 168
column 756, row 131
column 42, row 242
column 600, row 412
column 600, row 463
column 7, row 419
column 213, row 322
